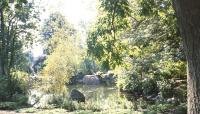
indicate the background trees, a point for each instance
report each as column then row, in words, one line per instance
column 17, row 24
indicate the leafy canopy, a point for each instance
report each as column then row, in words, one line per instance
column 104, row 40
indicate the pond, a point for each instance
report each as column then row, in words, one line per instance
column 107, row 98
column 99, row 100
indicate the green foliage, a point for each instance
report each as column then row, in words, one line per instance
column 166, row 87
column 181, row 109
column 52, row 25
column 8, row 105
column 149, row 87
column 21, row 100
column 17, row 26
column 131, row 83
column 163, row 108
column 4, row 93
column 88, row 66
column 20, row 81
column 181, row 92
column 104, row 41
column 14, row 86
column 61, row 64
column 166, row 108
column 155, row 52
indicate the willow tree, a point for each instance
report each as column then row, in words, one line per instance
column 62, row 63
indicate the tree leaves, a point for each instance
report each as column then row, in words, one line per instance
column 104, row 40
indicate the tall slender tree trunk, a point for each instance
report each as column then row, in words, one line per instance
column 188, row 14
column 2, row 70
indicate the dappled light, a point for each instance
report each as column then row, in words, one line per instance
column 99, row 57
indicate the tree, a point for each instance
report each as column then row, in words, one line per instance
column 104, row 41
column 17, row 22
column 15, row 31
column 188, row 14
column 62, row 63
column 53, row 24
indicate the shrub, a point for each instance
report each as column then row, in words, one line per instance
column 68, row 105
column 4, row 93
column 149, row 86
column 160, row 108
column 8, row 105
column 20, row 99
column 132, row 84
column 19, row 82
column 181, row 92
column 15, row 84
column 181, row 109
column 166, row 88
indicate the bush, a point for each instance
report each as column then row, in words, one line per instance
column 57, row 101
column 149, row 86
column 166, row 88
column 19, row 82
column 61, row 102
column 181, row 109
column 14, row 84
column 68, row 105
column 4, row 93
column 160, row 108
column 132, row 84
column 20, row 99
column 8, row 105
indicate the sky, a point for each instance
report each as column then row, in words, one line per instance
column 76, row 11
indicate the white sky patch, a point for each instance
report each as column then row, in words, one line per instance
column 74, row 10
column 37, row 50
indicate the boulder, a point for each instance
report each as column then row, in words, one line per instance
column 76, row 95
column 76, row 79
column 108, row 78
column 91, row 80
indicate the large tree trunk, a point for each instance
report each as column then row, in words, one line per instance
column 188, row 13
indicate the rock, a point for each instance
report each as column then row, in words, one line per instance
column 76, row 79
column 107, row 78
column 91, row 80
column 76, row 95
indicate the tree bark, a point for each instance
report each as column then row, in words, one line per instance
column 188, row 14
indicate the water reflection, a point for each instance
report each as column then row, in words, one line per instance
column 108, row 97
